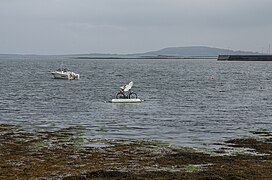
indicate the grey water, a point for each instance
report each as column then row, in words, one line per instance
column 183, row 105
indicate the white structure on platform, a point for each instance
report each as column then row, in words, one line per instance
column 125, row 95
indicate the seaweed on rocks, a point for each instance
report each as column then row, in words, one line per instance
column 65, row 154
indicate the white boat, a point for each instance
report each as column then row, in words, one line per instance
column 126, row 101
column 63, row 73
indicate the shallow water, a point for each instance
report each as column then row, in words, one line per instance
column 183, row 104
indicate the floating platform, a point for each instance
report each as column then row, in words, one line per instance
column 126, row 101
column 244, row 58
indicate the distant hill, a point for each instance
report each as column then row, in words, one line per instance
column 170, row 52
column 195, row 51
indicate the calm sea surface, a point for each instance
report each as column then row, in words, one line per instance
column 183, row 105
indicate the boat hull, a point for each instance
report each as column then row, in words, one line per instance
column 65, row 75
column 57, row 75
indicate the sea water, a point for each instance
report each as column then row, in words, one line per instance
column 191, row 103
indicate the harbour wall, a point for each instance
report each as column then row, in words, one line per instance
column 244, row 58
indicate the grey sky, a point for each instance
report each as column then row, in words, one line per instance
column 130, row 26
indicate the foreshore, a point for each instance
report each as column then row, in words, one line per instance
column 64, row 154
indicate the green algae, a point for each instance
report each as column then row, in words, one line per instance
column 159, row 143
column 102, row 130
column 39, row 145
column 262, row 132
column 194, row 168
column 7, row 128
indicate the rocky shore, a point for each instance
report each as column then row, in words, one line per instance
column 64, row 154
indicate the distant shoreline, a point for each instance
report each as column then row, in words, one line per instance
column 148, row 57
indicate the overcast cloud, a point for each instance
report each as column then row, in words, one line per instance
column 130, row 26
